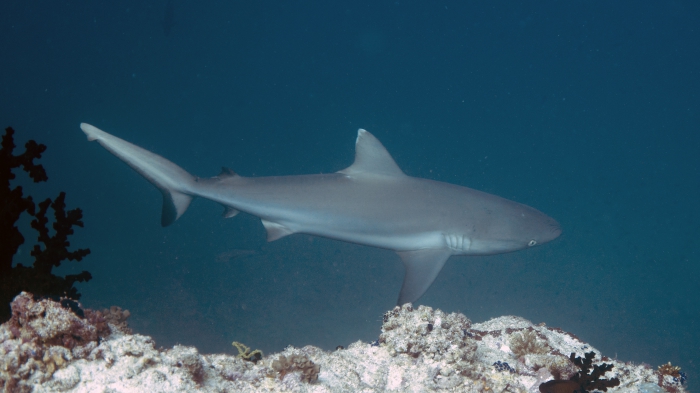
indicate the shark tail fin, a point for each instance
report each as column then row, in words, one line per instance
column 174, row 183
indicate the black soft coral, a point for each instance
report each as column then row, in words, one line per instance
column 585, row 380
column 38, row 278
column 589, row 381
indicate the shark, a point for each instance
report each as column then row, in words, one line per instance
column 372, row 202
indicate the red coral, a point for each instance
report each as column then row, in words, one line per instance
column 97, row 319
column 118, row 318
column 47, row 322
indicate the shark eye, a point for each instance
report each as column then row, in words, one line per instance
column 532, row 243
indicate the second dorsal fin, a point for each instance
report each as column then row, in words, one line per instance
column 226, row 172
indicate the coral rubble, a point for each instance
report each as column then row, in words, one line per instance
column 46, row 348
column 38, row 278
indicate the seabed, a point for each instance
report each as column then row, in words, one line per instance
column 48, row 348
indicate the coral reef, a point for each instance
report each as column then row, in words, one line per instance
column 560, row 367
column 651, row 388
column 669, row 369
column 117, row 317
column 42, row 337
column 420, row 350
column 190, row 360
column 671, row 377
column 284, row 365
column 428, row 333
column 38, row 278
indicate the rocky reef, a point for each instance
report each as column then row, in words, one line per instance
column 46, row 347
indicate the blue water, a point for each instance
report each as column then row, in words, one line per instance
column 586, row 110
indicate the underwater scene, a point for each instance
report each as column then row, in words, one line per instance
column 581, row 116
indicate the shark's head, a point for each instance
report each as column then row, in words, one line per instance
column 527, row 227
column 514, row 227
column 538, row 227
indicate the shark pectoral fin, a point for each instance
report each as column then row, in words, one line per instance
column 275, row 231
column 422, row 266
column 230, row 212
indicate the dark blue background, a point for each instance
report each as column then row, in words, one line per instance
column 586, row 110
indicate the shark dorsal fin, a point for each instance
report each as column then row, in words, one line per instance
column 371, row 157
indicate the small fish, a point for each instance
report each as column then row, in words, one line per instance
column 236, row 253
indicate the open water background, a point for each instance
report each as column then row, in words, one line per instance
column 586, row 110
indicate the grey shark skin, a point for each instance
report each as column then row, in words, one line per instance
column 372, row 202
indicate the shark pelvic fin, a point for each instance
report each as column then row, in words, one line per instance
column 230, row 212
column 174, row 204
column 371, row 157
column 422, row 266
column 275, row 231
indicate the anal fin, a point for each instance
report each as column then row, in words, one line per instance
column 422, row 267
column 275, row 231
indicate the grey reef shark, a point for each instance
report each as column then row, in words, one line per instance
column 371, row 202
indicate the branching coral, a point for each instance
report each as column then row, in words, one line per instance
column 245, row 353
column 38, row 278
column 527, row 343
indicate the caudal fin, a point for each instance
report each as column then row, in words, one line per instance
column 174, row 183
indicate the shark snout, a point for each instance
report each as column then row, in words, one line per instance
column 556, row 231
column 551, row 231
